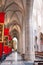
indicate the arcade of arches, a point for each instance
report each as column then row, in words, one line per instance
column 24, row 18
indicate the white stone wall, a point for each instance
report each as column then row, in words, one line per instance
column 37, row 20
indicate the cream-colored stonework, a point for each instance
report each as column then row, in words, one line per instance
column 24, row 18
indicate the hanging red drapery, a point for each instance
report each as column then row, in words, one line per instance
column 6, row 35
column 2, row 15
column 1, row 50
column 6, row 31
column 7, row 49
column 10, row 38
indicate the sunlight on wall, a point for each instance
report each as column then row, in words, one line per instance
column 37, row 12
column 15, row 45
column 37, row 20
column 15, row 42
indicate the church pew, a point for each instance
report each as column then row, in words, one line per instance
column 39, row 54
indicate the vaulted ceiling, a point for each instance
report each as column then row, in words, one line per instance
column 14, row 13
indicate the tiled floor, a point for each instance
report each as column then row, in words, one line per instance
column 14, row 59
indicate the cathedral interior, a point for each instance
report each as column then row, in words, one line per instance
column 21, row 32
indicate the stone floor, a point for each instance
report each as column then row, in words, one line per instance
column 15, row 59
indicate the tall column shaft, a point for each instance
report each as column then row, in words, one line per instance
column 29, row 47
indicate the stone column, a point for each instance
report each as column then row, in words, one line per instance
column 20, row 44
column 23, row 37
column 29, row 48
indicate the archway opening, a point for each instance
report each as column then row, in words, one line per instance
column 15, row 43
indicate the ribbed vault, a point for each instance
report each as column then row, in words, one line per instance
column 14, row 14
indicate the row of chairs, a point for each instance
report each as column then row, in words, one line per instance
column 39, row 54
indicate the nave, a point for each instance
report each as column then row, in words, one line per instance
column 21, row 19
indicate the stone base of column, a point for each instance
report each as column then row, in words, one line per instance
column 28, row 57
column 23, row 56
column 20, row 53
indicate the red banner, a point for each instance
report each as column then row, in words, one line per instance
column 2, row 17
column 6, row 31
column 1, row 50
column 5, row 50
column 10, row 38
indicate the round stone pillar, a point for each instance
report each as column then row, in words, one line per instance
column 29, row 45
